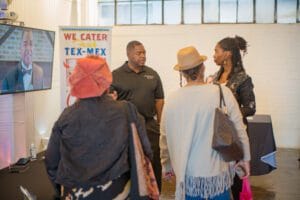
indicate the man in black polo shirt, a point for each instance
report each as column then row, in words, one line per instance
column 141, row 85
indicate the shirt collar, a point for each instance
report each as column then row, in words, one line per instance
column 127, row 68
column 26, row 67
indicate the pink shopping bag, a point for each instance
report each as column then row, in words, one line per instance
column 246, row 193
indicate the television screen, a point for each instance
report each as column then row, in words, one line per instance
column 26, row 59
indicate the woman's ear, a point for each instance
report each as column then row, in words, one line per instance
column 228, row 54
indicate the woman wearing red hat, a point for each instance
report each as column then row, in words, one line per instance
column 87, row 153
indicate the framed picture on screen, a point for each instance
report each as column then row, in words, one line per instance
column 26, row 59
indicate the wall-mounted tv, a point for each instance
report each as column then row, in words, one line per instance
column 26, row 59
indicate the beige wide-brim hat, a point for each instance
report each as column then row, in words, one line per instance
column 188, row 58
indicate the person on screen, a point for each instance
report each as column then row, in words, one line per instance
column 26, row 75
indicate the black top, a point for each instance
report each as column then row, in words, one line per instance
column 140, row 88
column 242, row 87
column 89, row 142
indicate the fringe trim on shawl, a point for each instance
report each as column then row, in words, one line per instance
column 180, row 191
column 208, row 187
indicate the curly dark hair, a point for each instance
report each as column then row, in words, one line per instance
column 235, row 45
column 191, row 74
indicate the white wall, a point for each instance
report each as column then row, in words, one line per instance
column 272, row 62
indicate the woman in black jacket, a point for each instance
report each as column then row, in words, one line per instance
column 87, row 155
column 232, row 73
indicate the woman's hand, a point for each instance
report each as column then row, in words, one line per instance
column 245, row 165
column 209, row 79
column 114, row 95
column 167, row 176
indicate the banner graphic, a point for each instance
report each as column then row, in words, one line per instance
column 77, row 42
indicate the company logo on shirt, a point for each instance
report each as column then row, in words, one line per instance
column 149, row 77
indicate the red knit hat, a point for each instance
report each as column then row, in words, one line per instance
column 91, row 77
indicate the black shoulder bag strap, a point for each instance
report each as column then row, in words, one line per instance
column 134, row 189
column 222, row 103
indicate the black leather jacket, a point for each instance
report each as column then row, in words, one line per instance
column 89, row 143
column 242, row 87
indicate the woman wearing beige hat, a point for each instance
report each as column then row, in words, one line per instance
column 88, row 149
column 187, row 131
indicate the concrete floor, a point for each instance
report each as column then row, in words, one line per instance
column 281, row 184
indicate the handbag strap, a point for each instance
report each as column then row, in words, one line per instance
column 131, row 115
column 222, row 100
column 134, row 189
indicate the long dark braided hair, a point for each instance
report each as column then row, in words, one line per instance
column 234, row 45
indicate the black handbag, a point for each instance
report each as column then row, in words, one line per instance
column 225, row 137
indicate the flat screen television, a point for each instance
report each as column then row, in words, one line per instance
column 26, row 59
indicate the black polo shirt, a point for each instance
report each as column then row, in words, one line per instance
column 140, row 88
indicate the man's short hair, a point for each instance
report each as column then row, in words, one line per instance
column 132, row 44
